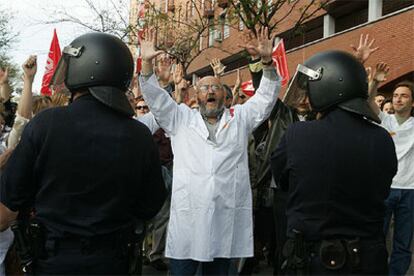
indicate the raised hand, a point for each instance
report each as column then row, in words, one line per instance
column 264, row 47
column 30, row 68
column 218, row 67
column 238, row 82
column 381, row 71
column 148, row 52
column 4, row 76
column 364, row 50
column 178, row 73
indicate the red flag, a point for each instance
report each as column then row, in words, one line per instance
column 141, row 17
column 139, row 65
column 280, row 62
column 52, row 61
column 248, row 88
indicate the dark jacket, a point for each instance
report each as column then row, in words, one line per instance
column 86, row 169
column 280, row 118
column 339, row 172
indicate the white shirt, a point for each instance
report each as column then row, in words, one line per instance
column 403, row 136
column 6, row 239
column 211, row 203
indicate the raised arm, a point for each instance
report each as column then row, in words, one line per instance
column 364, row 49
column 258, row 107
column 5, row 89
column 24, row 108
column 166, row 111
column 375, row 78
column 181, row 85
column 236, row 88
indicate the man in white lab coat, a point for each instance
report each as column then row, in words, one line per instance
column 211, row 205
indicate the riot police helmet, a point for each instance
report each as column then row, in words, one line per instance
column 100, row 63
column 335, row 79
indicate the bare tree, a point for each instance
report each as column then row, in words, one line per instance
column 7, row 38
column 270, row 14
column 181, row 29
column 108, row 16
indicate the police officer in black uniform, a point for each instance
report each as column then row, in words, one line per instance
column 89, row 170
column 338, row 172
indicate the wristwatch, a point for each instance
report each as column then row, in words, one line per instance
column 267, row 63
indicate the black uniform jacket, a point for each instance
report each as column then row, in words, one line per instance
column 86, row 169
column 339, row 172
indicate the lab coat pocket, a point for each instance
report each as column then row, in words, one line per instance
column 180, row 196
column 243, row 190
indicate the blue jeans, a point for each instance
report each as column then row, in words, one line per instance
column 400, row 202
column 219, row 266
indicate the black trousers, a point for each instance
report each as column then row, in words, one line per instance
column 74, row 258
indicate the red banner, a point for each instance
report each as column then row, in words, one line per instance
column 51, row 63
column 141, row 17
column 280, row 61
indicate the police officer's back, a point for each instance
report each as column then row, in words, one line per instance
column 338, row 171
column 89, row 170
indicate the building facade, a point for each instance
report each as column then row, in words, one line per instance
column 390, row 22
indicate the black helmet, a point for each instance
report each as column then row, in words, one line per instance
column 335, row 78
column 103, row 64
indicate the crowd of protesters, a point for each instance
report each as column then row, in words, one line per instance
column 187, row 231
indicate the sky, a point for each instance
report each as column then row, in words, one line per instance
column 35, row 36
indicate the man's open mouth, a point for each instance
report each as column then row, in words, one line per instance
column 211, row 100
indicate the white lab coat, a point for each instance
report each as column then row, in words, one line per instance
column 211, row 204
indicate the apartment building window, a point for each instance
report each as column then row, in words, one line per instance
column 211, row 33
column 226, row 29
column 187, row 8
column 390, row 6
column 308, row 32
column 192, row 8
column 350, row 14
column 200, row 41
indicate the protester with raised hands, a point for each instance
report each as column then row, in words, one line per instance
column 400, row 125
column 25, row 106
column 211, row 207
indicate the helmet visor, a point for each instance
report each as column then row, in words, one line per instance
column 59, row 76
column 298, row 86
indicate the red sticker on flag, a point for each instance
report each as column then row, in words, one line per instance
column 280, row 61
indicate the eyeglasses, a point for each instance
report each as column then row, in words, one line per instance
column 214, row 88
column 141, row 107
